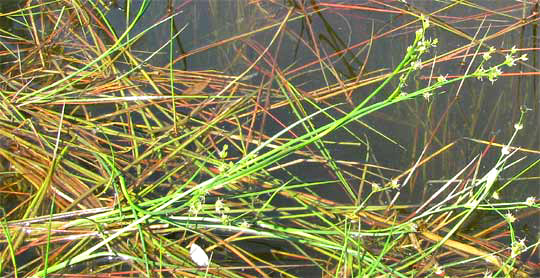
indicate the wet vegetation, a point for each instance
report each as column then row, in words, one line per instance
column 269, row 138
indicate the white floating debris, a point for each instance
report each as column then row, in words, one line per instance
column 198, row 255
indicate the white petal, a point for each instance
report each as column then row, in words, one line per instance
column 198, row 255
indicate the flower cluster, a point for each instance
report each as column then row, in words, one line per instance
column 518, row 247
column 420, row 46
column 494, row 72
column 196, row 206
column 222, row 210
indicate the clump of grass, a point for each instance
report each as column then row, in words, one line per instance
column 123, row 172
